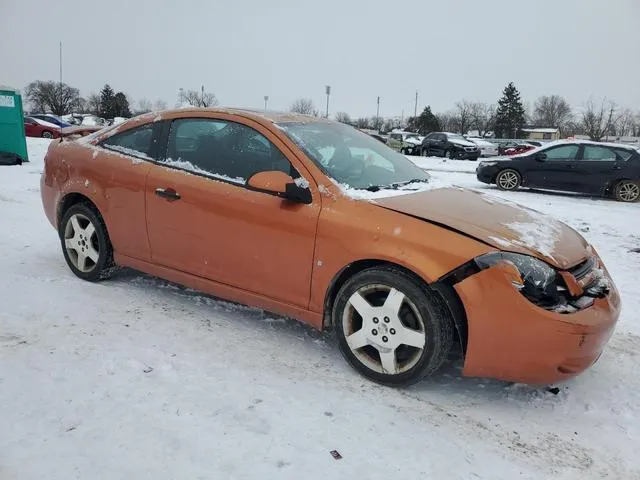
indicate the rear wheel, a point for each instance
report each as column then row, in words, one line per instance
column 85, row 243
column 508, row 180
column 627, row 191
column 47, row 134
column 391, row 327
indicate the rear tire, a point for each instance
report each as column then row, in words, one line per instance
column 392, row 328
column 85, row 242
column 508, row 180
column 627, row 191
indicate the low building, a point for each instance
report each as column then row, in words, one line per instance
column 542, row 133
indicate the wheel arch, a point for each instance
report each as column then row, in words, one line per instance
column 447, row 294
column 71, row 199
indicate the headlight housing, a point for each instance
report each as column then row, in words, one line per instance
column 537, row 281
column 488, row 164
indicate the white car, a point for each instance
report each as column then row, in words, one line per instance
column 487, row 149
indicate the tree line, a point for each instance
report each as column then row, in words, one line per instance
column 507, row 118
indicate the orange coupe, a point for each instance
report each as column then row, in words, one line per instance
column 315, row 220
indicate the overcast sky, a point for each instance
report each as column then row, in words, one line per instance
column 242, row 50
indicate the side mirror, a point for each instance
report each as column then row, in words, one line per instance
column 280, row 184
column 541, row 157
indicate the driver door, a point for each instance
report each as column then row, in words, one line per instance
column 557, row 171
column 203, row 219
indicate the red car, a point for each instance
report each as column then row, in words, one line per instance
column 34, row 127
column 518, row 149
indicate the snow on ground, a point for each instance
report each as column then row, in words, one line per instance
column 139, row 378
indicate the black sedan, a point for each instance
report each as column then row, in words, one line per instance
column 604, row 169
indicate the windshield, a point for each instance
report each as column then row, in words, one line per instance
column 353, row 158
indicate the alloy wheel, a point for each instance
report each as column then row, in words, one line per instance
column 508, row 180
column 629, row 192
column 81, row 243
column 384, row 329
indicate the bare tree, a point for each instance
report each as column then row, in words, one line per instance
column 623, row 123
column 159, row 105
column 597, row 121
column 144, row 106
column 343, row 117
column 57, row 97
column 304, row 106
column 362, row 122
column 93, row 104
column 196, row 98
column 552, row 111
column 483, row 117
column 448, row 121
column 376, row 123
column 463, row 116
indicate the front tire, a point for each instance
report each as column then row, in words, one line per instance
column 391, row 328
column 85, row 243
column 627, row 191
column 47, row 134
column 508, row 180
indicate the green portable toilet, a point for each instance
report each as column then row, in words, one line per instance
column 13, row 144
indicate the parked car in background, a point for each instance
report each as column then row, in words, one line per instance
column 518, row 149
column 487, row 149
column 380, row 138
column 34, row 127
column 450, row 145
column 47, row 117
column 196, row 196
column 407, row 143
column 605, row 169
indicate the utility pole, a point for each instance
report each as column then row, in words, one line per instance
column 378, row 114
column 415, row 108
column 60, row 84
column 266, row 100
column 328, row 91
column 202, row 96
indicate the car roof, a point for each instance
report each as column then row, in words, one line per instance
column 269, row 115
column 590, row 142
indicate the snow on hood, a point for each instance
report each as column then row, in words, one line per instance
column 464, row 143
column 413, row 140
column 504, row 225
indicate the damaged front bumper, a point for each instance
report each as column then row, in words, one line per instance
column 510, row 338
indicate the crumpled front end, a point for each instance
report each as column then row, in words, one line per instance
column 515, row 338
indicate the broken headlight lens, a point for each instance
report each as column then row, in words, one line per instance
column 536, row 280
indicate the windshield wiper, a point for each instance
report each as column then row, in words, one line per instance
column 395, row 185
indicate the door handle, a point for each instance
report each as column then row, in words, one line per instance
column 617, row 167
column 168, row 193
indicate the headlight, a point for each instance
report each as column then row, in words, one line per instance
column 488, row 164
column 536, row 280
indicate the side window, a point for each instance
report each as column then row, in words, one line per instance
column 566, row 152
column 598, row 153
column 624, row 153
column 227, row 150
column 136, row 142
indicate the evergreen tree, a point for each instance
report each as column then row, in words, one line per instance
column 425, row 123
column 510, row 113
column 121, row 105
column 107, row 102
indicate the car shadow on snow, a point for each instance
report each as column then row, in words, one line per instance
column 447, row 380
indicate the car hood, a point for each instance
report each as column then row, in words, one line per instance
column 504, row 225
column 462, row 143
column 414, row 140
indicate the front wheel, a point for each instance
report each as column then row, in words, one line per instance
column 47, row 134
column 85, row 243
column 391, row 328
column 508, row 180
column 627, row 191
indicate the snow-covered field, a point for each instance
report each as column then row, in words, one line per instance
column 136, row 378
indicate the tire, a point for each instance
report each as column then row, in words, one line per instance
column 508, row 180
column 424, row 152
column 422, row 319
column 449, row 154
column 627, row 191
column 78, row 243
column 47, row 134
